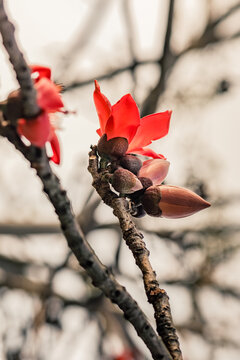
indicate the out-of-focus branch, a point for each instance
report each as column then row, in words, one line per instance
column 150, row 103
column 108, row 75
column 28, row 229
column 224, row 16
column 209, row 35
column 129, row 27
column 84, row 35
column 134, row 240
column 168, row 60
column 28, row 93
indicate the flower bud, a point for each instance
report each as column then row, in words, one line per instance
column 113, row 148
column 172, row 201
column 155, row 169
column 131, row 163
column 125, row 181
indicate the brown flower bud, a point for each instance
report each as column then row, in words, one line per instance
column 125, row 181
column 113, row 148
column 172, row 201
column 131, row 163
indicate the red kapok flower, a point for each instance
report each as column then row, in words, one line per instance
column 39, row 130
column 123, row 120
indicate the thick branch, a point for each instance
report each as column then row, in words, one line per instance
column 134, row 239
column 101, row 276
column 30, row 107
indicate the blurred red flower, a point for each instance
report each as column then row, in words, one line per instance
column 125, row 355
column 40, row 130
column 123, row 120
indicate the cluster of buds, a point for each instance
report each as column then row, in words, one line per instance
column 141, row 183
column 124, row 135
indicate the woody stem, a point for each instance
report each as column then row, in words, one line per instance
column 134, row 240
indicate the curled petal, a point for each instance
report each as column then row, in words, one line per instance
column 48, row 97
column 147, row 152
column 155, row 169
column 55, row 148
column 124, row 120
column 37, row 130
column 39, row 72
column 103, row 107
column 152, row 127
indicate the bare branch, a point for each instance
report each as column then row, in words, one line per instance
column 101, row 276
column 150, row 103
column 30, row 107
column 134, row 240
column 84, row 36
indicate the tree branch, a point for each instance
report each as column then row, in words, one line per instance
column 101, row 276
column 150, row 103
column 30, row 106
column 134, row 240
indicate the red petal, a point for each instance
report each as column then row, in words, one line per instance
column 103, row 107
column 40, row 72
column 55, row 148
column 37, row 130
column 152, row 127
column 155, row 169
column 99, row 132
column 125, row 119
column 48, row 97
column 147, row 152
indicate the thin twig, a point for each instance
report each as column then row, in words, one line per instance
column 134, row 240
column 150, row 103
column 108, row 75
column 28, row 93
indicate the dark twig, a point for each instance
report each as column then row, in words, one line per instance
column 224, row 16
column 83, row 37
column 108, row 75
column 101, row 276
column 150, row 103
column 209, row 35
column 134, row 240
column 167, row 60
column 30, row 107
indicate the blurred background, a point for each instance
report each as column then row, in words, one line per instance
column 183, row 56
